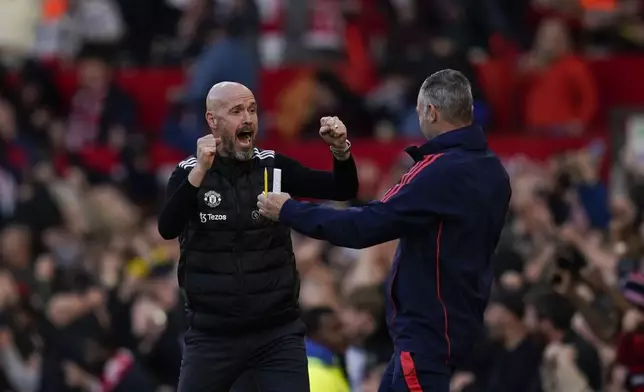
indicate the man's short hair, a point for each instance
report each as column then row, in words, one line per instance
column 370, row 299
column 451, row 93
column 555, row 308
column 312, row 318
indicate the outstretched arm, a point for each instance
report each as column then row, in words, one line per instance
column 301, row 181
column 422, row 196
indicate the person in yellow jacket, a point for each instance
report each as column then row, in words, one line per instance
column 323, row 344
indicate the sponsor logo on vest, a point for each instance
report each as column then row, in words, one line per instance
column 203, row 217
column 255, row 214
column 212, row 199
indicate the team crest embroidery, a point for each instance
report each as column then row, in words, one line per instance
column 212, row 199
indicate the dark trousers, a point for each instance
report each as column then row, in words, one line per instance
column 408, row 372
column 269, row 361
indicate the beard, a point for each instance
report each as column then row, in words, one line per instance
column 230, row 149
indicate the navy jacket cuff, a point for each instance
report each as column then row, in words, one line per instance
column 288, row 211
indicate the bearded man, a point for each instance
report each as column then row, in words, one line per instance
column 237, row 268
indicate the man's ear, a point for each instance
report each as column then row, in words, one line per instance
column 210, row 119
column 432, row 113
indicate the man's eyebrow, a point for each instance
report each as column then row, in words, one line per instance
column 238, row 106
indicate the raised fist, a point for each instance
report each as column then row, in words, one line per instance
column 333, row 131
column 206, row 150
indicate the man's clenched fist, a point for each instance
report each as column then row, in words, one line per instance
column 333, row 131
column 206, row 150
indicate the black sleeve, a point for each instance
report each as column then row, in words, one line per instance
column 181, row 203
column 589, row 364
column 298, row 180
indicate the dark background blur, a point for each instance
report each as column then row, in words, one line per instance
column 99, row 99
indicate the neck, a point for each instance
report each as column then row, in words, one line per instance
column 234, row 156
column 514, row 336
column 448, row 127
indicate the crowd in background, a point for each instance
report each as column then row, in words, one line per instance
column 89, row 299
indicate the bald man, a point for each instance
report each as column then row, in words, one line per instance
column 237, row 268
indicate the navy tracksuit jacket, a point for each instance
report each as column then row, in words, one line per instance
column 448, row 211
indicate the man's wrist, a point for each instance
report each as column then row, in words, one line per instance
column 342, row 154
column 196, row 176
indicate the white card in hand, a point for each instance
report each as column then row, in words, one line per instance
column 277, row 180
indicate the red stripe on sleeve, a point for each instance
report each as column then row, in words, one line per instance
column 407, row 177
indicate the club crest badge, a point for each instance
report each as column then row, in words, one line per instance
column 212, row 199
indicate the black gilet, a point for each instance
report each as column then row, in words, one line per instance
column 237, row 268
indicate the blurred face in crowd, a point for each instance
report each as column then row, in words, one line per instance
column 15, row 247
column 57, row 135
column 330, row 333
column 163, row 290
column 7, row 121
column 442, row 46
column 552, row 39
column 545, row 327
column 498, row 319
column 358, row 324
column 232, row 115
column 8, row 290
column 94, row 74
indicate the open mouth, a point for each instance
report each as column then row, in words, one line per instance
column 245, row 138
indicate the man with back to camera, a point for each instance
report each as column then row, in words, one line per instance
column 448, row 211
column 237, row 268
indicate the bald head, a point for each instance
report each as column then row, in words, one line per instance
column 224, row 92
column 231, row 113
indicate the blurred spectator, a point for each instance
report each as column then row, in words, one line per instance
column 98, row 21
column 37, row 106
column 515, row 364
column 630, row 353
column 366, row 330
column 314, row 31
column 99, row 106
column 14, row 154
column 242, row 19
column 331, row 97
column 561, row 96
column 372, row 380
column 224, row 58
column 620, row 27
column 323, row 345
column 570, row 362
column 440, row 53
column 18, row 20
column 145, row 21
